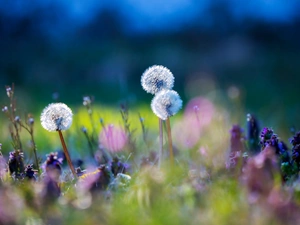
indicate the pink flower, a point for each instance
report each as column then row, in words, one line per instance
column 197, row 115
column 2, row 166
column 113, row 138
column 201, row 109
column 186, row 133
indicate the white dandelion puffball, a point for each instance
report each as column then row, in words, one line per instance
column 166, row 103
column 56, row 116
column 157, row 78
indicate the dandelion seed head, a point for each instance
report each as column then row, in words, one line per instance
column 157, row 78
column 56, row 116
column 166, row 103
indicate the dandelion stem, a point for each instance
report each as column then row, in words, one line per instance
column 160, row 142
column 170, row 140
column 67, row 153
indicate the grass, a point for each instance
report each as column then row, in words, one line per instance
column 197, row 189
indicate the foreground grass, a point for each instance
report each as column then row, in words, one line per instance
column 197, row 189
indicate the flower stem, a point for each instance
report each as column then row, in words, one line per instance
column 170, row 140
column 160, row 154
column 90, row 145
column 35, row 153
column 67, row 153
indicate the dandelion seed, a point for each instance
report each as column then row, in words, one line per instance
column 166, row 103
column 56, row 116
column 157, row 78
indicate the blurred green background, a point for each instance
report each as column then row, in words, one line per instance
column 246, row 54
column 239, row 56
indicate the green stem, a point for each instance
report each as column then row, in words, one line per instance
column 90, row 145
column 35, row 153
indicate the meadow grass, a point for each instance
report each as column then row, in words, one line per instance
column 197, row 189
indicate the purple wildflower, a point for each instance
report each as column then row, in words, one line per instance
column 295, row 141
column 51, row 190
column 268, row 138
column 236, row 140
column 117, row 166
column 236, row 146
column 253, row 134
column 16, row 163
column 30, row 172
column 53, row 163
column 260, row 173
column 2, row 164
column 80, row 172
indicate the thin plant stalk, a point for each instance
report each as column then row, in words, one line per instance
column 129, row 132
column 143, row 130
column 35, row 155
column 87, row 102
column 35, row 151
column 90, row 145
column 11, row 115
column 93, row 129
column 170, row 140
column 106, row 156
column 66, row 153
column 30, row 131
column 160, row 154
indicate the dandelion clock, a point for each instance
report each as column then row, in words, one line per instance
column 58, row 117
